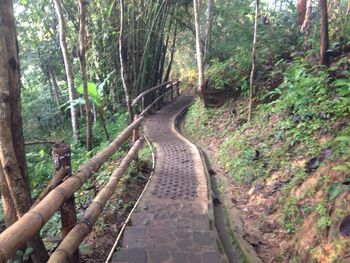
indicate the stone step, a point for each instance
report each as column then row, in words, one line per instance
column 169, row 239
column 177, row 220
column 140, row 255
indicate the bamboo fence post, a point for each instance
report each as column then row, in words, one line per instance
column 84, row 227
column 135, row 134
column 143, row 104
column 178, row 88
column 61, row 155
column 172, row 93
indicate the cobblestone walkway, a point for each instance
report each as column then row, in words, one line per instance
column 172, row 222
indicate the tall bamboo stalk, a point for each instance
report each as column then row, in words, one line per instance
column 252, row 72
column 122, row 62
column 83, row 69
column 199, row 48
column 68, row 68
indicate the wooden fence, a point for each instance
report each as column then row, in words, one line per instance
column 58, row 193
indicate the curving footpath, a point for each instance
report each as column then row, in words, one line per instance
column 173, row 222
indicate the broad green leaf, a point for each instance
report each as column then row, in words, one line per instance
column 336, row 189
column 92, row 92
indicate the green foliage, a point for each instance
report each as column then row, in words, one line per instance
column 221, row 74
column 94, row 93
column 336, row 189
column 291, row 217
column 324, row 220
column 302, row 90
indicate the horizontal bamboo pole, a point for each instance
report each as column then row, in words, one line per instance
column 72, row 241
column 31, row 223
column 56, row 180
column 156, row 100
column 139, row 97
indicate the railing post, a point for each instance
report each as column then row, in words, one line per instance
column 143, row 104
column 157, row 92
column 172, row 93
column 135, row 133
column 178, row 88
column 62, row 159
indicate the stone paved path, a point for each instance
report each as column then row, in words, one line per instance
column 172, row 222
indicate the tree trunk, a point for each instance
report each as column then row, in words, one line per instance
column 167, row 74
column 348, row 10
column 7, row 203
column 122, row 62
column 324, row 42
column 83, row 69
column 252, row 72
column 68, row 69
column 56, row 94
column 200, row 90
column 305, row 27
column 15, row 187
column 301, row 11
column 208, row 27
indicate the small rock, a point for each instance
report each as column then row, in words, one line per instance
column 312, row 164
column 269, row 210
column 245, row 209
column 266, row 227
column 345, row 226
column 146, row 222
column 234, row 201
column 259, row 187
column 251, row 191
column 326, row 153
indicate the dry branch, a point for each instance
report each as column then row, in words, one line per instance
column 72, row 241
column 40, row 142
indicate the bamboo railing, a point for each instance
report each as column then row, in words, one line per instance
column 51, row 200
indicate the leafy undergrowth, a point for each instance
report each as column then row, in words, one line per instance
column 290, row 166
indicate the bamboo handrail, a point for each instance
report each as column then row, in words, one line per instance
column 31, row 223
column 155, row 101
column 52, row 185
column 72, row 241
column 140, row 96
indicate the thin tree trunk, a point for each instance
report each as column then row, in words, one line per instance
column 324, row 42
column 348, row 10
column 82, row 59
column 7, row 202
column 200, row 63
column 122, row 62
column 56, row 94
column 301, row 11
column 14, row 178
column 167, row 74
column 208, row 27
column 252, row 72
column 305, row 28
column 68, row 69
